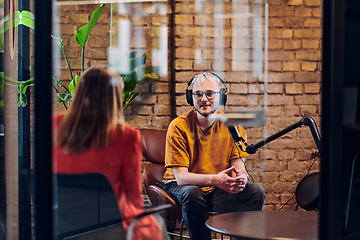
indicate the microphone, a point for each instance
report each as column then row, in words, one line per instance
column 237, row 138
column 234, row 133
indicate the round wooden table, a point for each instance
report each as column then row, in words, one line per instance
column 267, row 224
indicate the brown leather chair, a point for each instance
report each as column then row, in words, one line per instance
column 153, row 142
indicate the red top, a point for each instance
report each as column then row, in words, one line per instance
column 121, row 163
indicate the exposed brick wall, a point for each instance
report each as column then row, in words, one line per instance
column 152, row 108
column 294, row 81
column 67, row 20
column 294, row 89
column 207, row 39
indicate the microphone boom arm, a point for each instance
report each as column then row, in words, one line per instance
column 307, row 121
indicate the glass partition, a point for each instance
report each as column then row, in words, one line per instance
column 157, row 47
column 2, row 158
column 16, row 27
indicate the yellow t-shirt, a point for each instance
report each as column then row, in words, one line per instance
column 204, row 152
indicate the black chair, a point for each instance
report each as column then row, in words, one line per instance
column 82, row 203
column 85, row 203
column 307, row 192
column 347, row 208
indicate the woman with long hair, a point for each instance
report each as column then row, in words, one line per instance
column 92, row 137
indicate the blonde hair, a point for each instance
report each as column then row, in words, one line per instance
column 95, row 112
column 205, row 76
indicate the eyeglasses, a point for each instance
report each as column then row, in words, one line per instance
column 210, row 94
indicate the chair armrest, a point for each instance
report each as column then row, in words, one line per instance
column 153, row 210
column 145, row 213
column 160, row 197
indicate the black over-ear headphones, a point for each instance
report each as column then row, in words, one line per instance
column 223, row 91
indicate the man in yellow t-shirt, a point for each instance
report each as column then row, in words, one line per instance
column 205, row 171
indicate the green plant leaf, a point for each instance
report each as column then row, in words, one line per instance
column 58, row 82
column 150, row 74
column 126, row 96
column 72, row 84
column 82, row 35
column 15, row 20
column 22, row 99
column 59, row 98
column 28, row 19
column 139, row 61
column 59, row 41
column 130, row 82
column 1, row 39
column 133, row 54
column 61, row 44
column 6, row 78
column 19, row 88
column 9, row 84
column 65, row 97
column 131, row 77
column 24, row 90
column 25, row 18
column 22, row 87
column 136, row 74
column 129, row 100
column 30, row 82
column 124, row 59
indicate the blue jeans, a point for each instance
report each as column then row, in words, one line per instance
column 196, row 204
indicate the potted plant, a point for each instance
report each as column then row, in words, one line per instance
column 138, row 72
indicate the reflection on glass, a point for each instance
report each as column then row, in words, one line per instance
column 159, row 51
column 16, row 21
column 119, row 43
column 130, row 38
column 2, row 159
column 222, row 37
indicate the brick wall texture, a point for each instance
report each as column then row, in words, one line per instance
column 228, row 38
column 294, row 88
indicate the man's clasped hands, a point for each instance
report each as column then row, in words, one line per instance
column 231, row 180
